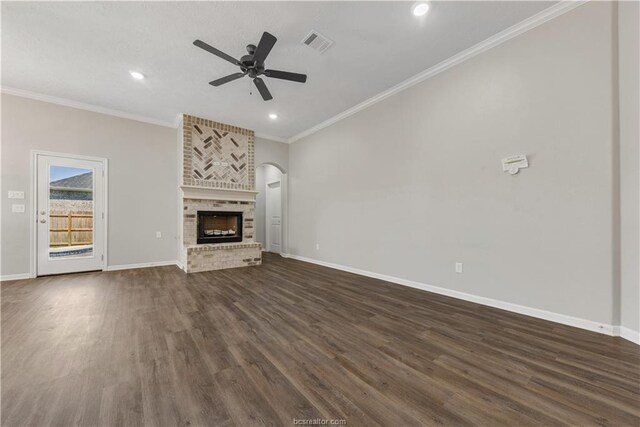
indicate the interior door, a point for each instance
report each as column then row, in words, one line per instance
column 274, row 217
column 70, row 215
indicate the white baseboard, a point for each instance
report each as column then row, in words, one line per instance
column 528, row 311
column 109, row 268
column 630, row 334
column 142, row 265
column 20, row 276
column 626, row 333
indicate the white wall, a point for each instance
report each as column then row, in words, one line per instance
column 142, row 177
column 413, row 184
column 629, row 70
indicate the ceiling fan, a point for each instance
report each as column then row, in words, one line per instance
column 252, row 65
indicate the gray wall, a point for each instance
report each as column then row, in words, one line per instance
column 629, row 70
column 414, row 184
column 268, row 151
column 142, row 177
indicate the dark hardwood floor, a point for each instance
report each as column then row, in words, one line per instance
column 290, row 340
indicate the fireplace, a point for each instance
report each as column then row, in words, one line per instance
column 219, row 227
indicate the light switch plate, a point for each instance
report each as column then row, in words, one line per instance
column 17, row 208
column 458, row 267
column 16, row 194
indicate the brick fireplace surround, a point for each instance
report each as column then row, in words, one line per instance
column 218, row 174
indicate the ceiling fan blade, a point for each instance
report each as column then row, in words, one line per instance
column 264, row 47
column 216, row 52
column 227, row 79
column 285, row 75
column 262, row 88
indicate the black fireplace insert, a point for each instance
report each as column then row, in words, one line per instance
column 219, row 227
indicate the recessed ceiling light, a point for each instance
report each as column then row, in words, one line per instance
column 136, row 75
column 273, row 116
column 420, row 9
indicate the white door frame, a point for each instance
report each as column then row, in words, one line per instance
column 284, row 227
column 267, row 225
column 33, row 214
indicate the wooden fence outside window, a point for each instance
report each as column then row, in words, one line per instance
column 70, row 229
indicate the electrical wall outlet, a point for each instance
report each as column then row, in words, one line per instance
column 158, row 234
column 317, row 246
column 458, row 267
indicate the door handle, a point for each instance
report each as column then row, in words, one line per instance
column 43, row 213
column 43, row 220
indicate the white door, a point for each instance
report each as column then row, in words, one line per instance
column 70, row 215
column 274, row 217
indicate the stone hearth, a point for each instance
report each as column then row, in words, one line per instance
column 217, row 175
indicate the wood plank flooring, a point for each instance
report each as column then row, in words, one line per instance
column 290, row 340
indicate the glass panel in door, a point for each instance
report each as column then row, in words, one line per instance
column 71, row 212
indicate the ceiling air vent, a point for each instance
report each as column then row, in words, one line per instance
column 317, row 41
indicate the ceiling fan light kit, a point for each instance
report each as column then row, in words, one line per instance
column 252, row 65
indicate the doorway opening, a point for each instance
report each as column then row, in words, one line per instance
column 270, row 217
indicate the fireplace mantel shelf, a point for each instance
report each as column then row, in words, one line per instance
column 194, row 192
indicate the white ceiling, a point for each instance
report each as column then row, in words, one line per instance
column 83, row 51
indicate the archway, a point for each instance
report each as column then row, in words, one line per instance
column 270, row 220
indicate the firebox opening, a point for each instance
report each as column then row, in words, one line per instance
column 219, row 227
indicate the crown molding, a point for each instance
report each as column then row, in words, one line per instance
column 177, row 121
column 117, row 113
column 534, row 21
column 271, row 137
column 82, row 106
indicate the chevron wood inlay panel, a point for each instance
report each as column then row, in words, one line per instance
column 217, row 155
